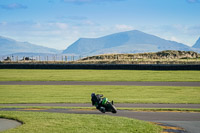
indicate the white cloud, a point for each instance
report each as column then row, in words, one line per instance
column 123, row 27
column 181, row 33
column 37, row 25
column 3, row 23
column 173, row 38
column 60, row 35
column 62, row 26
column 73, row 18
column 88, row 22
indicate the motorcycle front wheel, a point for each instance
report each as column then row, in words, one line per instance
column 114, row 110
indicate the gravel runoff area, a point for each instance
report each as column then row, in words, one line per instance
column 127, row 83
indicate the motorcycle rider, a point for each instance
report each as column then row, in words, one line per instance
column 96, row 100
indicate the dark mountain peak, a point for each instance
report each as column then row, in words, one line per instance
column 1, row 37
column 6, row 39
column 133, row 41
column 81, row 39
column 132, row 32
column 135, row 31
column 197, row 44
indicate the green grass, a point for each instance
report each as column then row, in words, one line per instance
column 81, row 94
column 41, row 122
column 97, row 75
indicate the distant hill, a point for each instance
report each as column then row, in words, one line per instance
column 168, row 54
column 197, row 44
column 124, row 42
column 10, row 46
column 162, row 57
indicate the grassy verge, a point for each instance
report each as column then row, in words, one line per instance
column 41, row 122
column 81, row 94
column 97, row 75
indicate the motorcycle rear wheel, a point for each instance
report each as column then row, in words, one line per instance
column 102, row 109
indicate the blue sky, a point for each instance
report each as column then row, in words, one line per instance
column 59, row 23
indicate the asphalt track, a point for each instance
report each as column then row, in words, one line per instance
column 142, row 115
column 119, row 105
column 187, row 120
column 6, row 124
column 128, row 83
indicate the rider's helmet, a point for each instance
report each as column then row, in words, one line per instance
column 93, row 94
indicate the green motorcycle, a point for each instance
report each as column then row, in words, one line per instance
column 107, row 106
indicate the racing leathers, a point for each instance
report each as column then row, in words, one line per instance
column 96, row 100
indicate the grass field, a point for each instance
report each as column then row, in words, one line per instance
column 81, row 94
column 40, row 122
column 74, row 123
column 97, row 75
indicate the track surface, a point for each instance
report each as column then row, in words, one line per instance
column 6, row 124
column 125, row 105
column 128, row 83
column 187, row 120
column 142, row 115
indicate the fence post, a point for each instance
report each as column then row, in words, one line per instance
column 12, row 59
column 66, row 58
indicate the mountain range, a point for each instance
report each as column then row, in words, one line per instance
column 10, row 46
column 125, row 42
column 197, row 44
